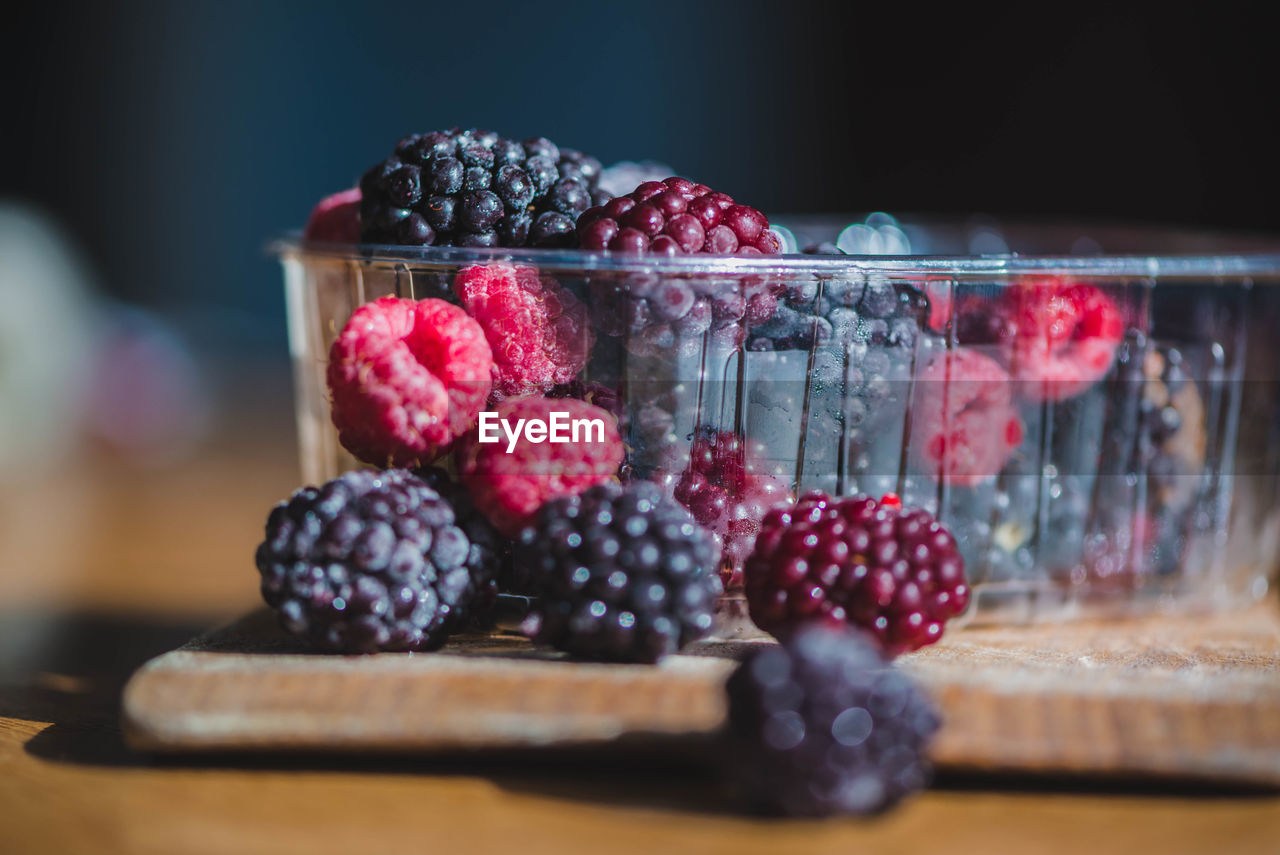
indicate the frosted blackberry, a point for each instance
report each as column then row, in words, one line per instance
column 475, row 188
column 621, row 574
column 659, row 315
column 373, row 561
column 821, row 725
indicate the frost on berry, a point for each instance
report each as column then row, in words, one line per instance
column 406, row 378
column 536, row 328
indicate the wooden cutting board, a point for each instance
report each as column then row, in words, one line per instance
column 1189, row 697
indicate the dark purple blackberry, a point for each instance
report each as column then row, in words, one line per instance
column 894, row 572
column 480, row 531
column 474, row 188
column 822, row 725
column 373, row 561
column 621, row 574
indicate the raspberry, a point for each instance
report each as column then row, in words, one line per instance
column 963, row 419
column 621, row 574
column 822, row 725
column 474, row 188
column 406, row 379
column 1065, row 337
column 373, row 561
column 335, row 219
column 896, row 573
column 676, row 217
column 537, row 330
column 1058, row 336
column 510, row 487
column 725, row 492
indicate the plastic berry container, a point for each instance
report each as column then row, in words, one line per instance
column 1093, row 412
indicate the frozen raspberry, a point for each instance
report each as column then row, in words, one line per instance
column 1059, row 337
column 621, row 574
column 895, row 572
column 822, row 725
column 537, row 330
column 725, row 491
column 963, row 419
column 375, row 561
column 407, row 378
column 510, row 486
column 335, row 219
column 676, row 217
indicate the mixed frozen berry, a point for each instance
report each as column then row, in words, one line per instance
column 511, row 478
column 725, row 489
column 676, row 217
column 407, row 378
column 536, row 329
column 374, row 561
column 896, row 573
column 822, row 725
column 475, row 188
column 619, row 573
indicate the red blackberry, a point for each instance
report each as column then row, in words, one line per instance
column 374, row 561
column 894, row 572
column 822, row 725
column 621, row 574
column 664, row 314
column 723, row 489
column 474, row 188
column 676, row 217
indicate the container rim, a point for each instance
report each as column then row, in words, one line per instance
column 1251, row 256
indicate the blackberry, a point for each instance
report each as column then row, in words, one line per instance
column 479, row 530
column 373, row 561
column 661, row 314
column 621, row 574
column 822, row 725
column 896, row 573
column 474, row 188
column 727, row 494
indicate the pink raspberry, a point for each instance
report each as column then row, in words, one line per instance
column 1065, row 336
column 407, row 378
column 963, row 418
column 510, row 486
column 335, row 219
column 537, row 329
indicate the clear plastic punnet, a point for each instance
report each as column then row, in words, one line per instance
column 1094, row 413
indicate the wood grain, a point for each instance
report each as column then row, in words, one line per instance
column 1189, row 697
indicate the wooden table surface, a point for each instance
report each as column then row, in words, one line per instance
column 104, row 564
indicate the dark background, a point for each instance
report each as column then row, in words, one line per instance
column 172, row 139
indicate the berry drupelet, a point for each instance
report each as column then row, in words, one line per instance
column 896, row 573
column 475, row 188
column 676, row 217
column 726, row 492
column 374, row 561
column 822, row 725
column 621, row 574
